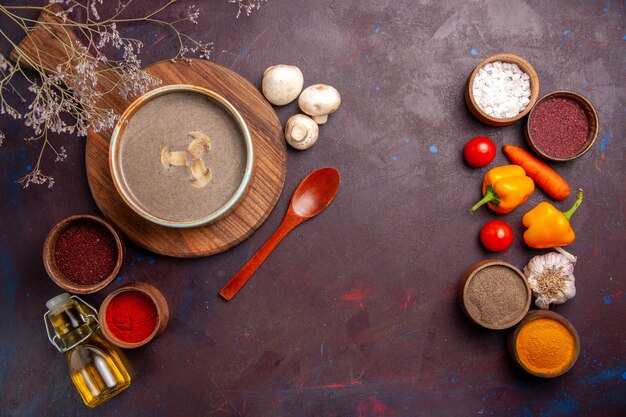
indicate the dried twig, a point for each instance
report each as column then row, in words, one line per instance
column 65, row 99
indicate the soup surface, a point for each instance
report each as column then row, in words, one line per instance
column 166, row 191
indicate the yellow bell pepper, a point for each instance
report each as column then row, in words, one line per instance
column 549, row 227
column 505, row 188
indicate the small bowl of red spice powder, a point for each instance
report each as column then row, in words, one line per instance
column 83, row 253
column 562, row 126
column 133, row 315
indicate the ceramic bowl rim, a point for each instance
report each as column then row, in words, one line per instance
column 115, row 163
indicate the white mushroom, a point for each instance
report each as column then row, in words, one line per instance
column 200, row 144
column 175, row 158
column 282, row 84
column 318, row 101
column 200, row 175
column 301, row 131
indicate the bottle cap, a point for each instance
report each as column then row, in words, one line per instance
column 57, row 301
column 70, row 321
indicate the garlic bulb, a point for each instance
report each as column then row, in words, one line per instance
column 551, row 278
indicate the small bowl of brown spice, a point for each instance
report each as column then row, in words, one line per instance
column 562, row 126
column 495, row 294
column 83, row 253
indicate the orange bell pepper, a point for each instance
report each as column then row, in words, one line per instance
column 505, row 188
column 548, row 227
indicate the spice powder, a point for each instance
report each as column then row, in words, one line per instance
column 496, row 295
column 131, row 316
column 545, row 346
column 559, row 127
column 85, row 253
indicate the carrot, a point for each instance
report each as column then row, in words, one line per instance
column 540, row 172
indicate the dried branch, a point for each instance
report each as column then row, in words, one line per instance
column 64, row 99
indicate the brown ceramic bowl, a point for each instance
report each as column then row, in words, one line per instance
column 534, row 315
column 592, row 117
column 50, row 264
column 466, row 301
column 525, row 66
column 159, row 303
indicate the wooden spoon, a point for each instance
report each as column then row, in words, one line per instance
column 312, row 196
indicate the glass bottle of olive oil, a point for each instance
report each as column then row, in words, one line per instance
column 96, row 368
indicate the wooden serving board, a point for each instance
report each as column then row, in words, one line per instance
column 265, row 186
column 47, row 46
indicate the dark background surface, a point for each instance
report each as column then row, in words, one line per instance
column 356, row 312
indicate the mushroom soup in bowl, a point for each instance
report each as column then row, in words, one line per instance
column 181, row 156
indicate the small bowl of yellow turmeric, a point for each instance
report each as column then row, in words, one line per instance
column 544, row 344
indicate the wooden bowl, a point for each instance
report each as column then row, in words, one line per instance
column 525, row 66
column 159, row 302
column 592, row 118
column 50, row 264
column 464, row 297
column 534, row 315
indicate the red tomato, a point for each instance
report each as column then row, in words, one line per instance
column 496, row 235
column 479, row 151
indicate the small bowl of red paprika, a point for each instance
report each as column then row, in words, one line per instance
column 83, row 253
column 133, row 315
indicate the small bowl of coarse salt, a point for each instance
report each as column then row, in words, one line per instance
column 502, row 89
